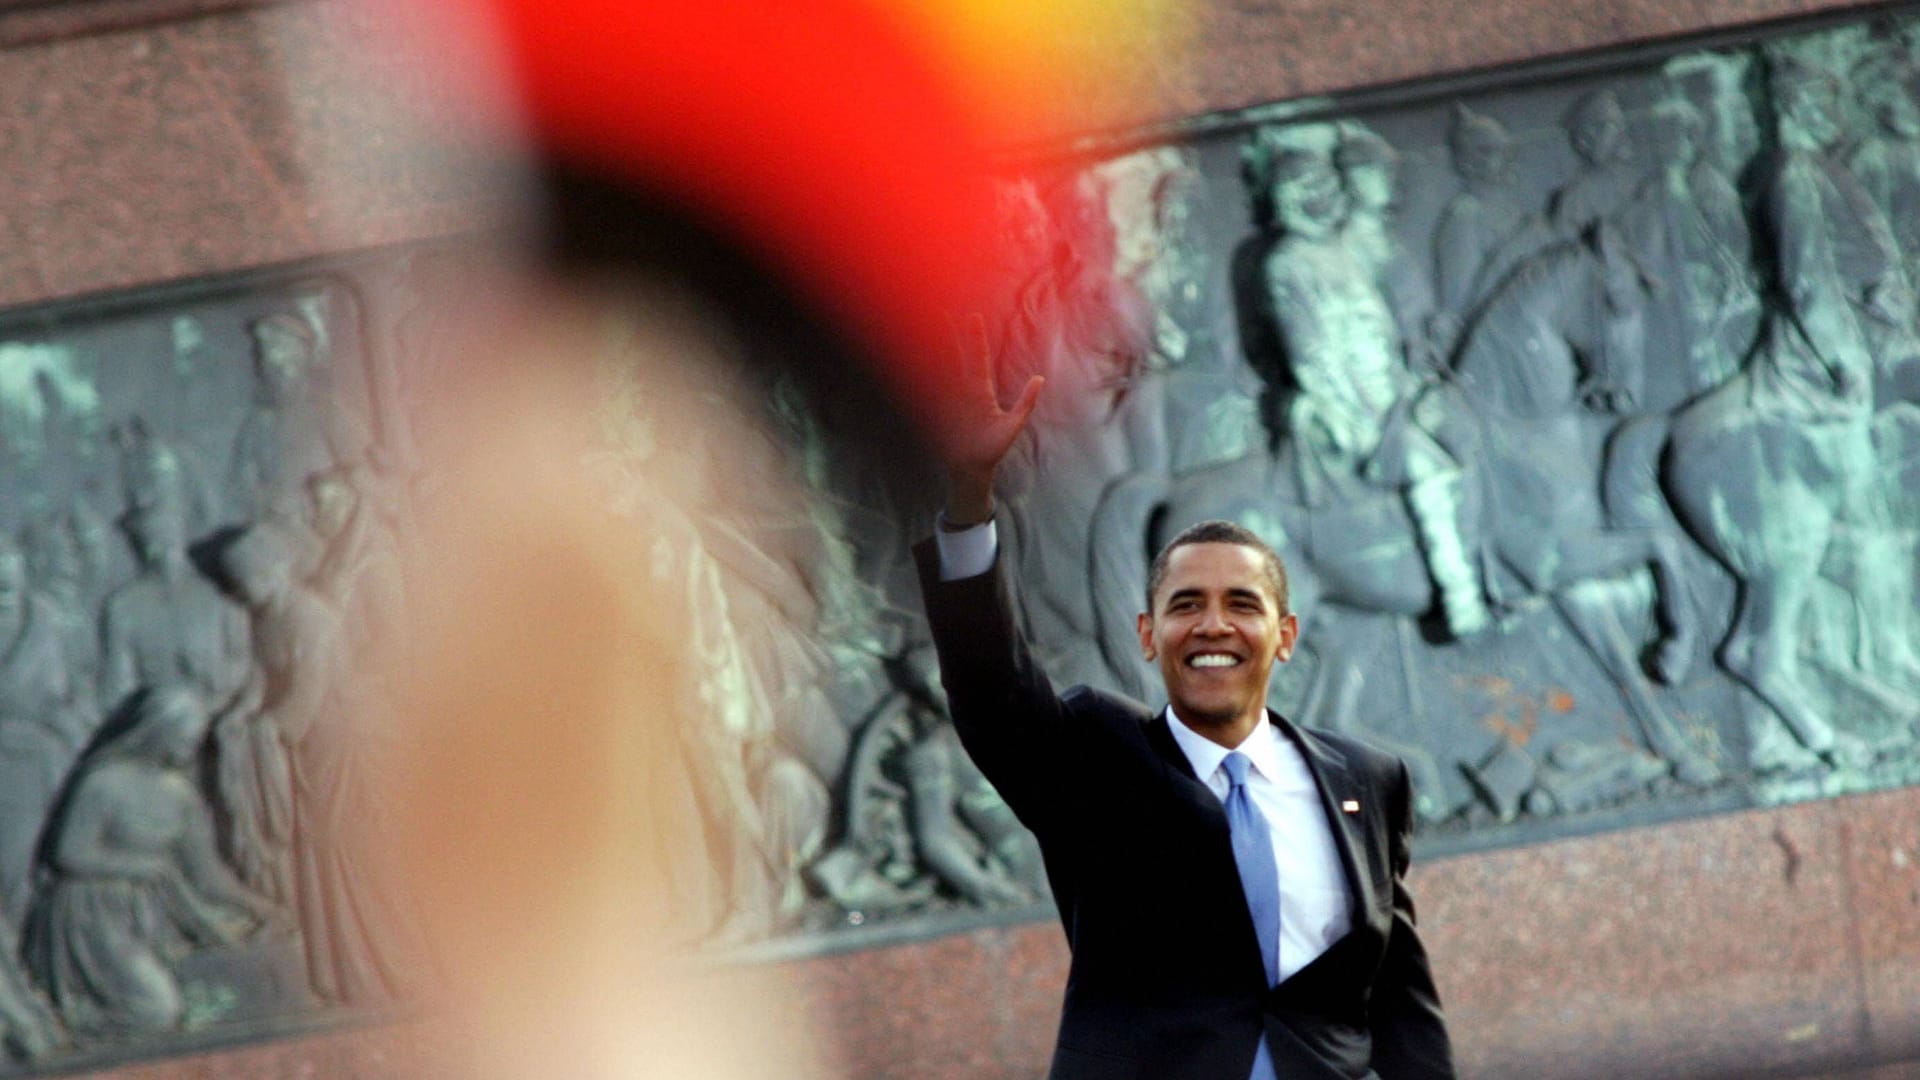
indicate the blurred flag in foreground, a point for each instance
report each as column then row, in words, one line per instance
column 585, row 808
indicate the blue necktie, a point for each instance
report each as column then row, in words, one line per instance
column 1259, row 879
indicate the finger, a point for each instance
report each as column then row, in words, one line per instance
column 1029, row 397
column 978, row 349
column 962, row 351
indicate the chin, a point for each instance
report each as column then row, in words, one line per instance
column 1207, row 713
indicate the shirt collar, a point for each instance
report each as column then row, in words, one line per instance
column 1205, row 755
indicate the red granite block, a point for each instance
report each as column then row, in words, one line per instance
column 134, row 177
column 411, row 1051
column 1883, row 861
column 1247, row 53
column 266, row 134
column 246, row 138
column 355, row 133
column 1691, row 948
column 1034, row 976
column 1909, row 1070
column 24, row 22
column 922, row 1011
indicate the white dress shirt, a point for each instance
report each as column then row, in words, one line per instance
column 967, row 552
column 1315, row 906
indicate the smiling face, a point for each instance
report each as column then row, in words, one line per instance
column 1216, row 630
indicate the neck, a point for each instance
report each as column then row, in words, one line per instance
column 1229, row 732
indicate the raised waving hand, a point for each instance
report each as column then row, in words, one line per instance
column 977, row 432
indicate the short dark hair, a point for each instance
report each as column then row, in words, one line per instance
column 1221, row 532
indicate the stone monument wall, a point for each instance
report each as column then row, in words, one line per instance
column 1580, row 396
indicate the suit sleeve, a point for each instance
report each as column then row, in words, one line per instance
column 1004, row 708
column 1410, row 1039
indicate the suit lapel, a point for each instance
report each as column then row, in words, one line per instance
column 1338, row 785
column 1192, row 795
column 1187, row 788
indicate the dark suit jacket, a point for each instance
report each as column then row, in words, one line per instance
column 1166, row 981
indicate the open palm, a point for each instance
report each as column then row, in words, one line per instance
column 977, row 430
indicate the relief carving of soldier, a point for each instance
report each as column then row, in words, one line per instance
column 1886, row 158
column 1840, row 265
column 1368, row 167
column 1776, row 471
column 1839, row 268
column 1597, row 130
column 1073, row 320
column 1690, row 229
column 1352, row 416
column 293, row 428
column 1485, row 229
column 756, row 525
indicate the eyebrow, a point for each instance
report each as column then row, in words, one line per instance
column 1235, row 593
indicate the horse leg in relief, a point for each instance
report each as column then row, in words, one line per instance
column 1635, row 505
column 1763, row 650
column 1599, row 626
column 1881, row 585
column 1435, row 502
column 1675, row 655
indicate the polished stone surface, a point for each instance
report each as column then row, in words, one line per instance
column 1881, row 845
column 398, row 1052
column 980, row 1004
column 1692, row 946
column 1778, row 942
column 1760, row 942
column 176, row 149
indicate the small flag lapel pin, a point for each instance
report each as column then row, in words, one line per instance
column 1350, row 806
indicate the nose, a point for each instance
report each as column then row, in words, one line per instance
column 1212, row 621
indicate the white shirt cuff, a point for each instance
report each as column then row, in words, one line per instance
column 967, row 552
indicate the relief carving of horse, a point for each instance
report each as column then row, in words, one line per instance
column 1517, row 411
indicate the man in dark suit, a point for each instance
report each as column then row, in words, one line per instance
column 1232, row 885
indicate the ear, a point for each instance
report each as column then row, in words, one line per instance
column 1289, row 633
column 1144, row 623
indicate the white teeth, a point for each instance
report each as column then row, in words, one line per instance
column 1214, row 660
